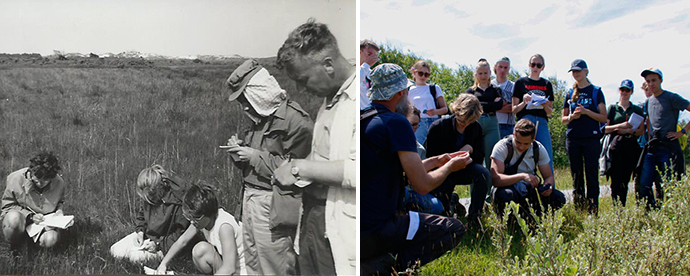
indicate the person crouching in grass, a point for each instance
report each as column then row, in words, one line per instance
column 222, row 251
column 30, row 194
column 160, row 221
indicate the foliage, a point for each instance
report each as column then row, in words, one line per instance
column 621, row 240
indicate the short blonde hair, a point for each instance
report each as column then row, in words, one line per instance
column 149, row 179
column 466, row 107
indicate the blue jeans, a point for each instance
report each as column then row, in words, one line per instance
column 505, row 129
column 472, row 174
column 543, row 134
column 661, row 159
column 422, row 203
column 587, row 149
column 491, row 136
column 505, row 195
column 423, row 129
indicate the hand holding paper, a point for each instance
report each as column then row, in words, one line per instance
column 51, row 220
column 635, row 120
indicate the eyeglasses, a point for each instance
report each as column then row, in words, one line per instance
column 538, row 65
column 423, row 74
column 194, row 221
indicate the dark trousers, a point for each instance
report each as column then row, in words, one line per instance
column 669, row 160
column 587, row 149
column 624, row 152
column 435, row 236
column 315, row 256
column 475, row 174
column 504, row 195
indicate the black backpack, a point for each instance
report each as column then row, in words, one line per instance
column 511, row 170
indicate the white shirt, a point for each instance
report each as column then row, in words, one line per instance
column 364, row 72
column 420, row 97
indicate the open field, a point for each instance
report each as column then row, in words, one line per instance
column 106, row 119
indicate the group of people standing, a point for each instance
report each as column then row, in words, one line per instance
column 503, row 125
column 298, row 178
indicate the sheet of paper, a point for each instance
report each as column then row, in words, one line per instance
column 635, row 120
column 536, row 102
column 34, row 230
column 302, row 183
column 151, row 271
column 55, row 220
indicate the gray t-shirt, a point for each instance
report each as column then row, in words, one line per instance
column 500, row 153
column 663, row 112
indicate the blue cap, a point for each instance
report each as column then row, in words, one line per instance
column 654, row 71
column 626, row 83
column 578, row 65
column 386, row 80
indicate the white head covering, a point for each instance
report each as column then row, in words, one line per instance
column 264, row 93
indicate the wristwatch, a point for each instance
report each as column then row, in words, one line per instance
column 294, row 170
column 683, row 130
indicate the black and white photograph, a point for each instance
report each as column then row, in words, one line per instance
column 178, row 137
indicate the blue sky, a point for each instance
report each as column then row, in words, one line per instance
column 618, row 39
column 255, row 28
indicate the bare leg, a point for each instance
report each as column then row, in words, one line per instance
column 49, row 238
column 205, row 257
column 13, row 227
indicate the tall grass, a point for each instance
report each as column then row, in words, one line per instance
column 107, row 124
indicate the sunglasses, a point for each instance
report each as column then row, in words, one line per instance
column 423, row 74
column 538, row 65
column 625, row 89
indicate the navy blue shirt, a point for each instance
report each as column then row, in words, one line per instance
column 382, row 137
column 585, row 126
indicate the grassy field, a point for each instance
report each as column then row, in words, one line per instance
column 106, row 120
column 620, row 240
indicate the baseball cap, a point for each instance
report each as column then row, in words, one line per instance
column 386, row 80
column 654, row 71
column 504, row 59
column 578, row 65
column 626, row 83
column 240, row 77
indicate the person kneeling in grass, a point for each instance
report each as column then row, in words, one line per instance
column 160, row 221
column 222, row 252
column 30, row 194
column 514, row 163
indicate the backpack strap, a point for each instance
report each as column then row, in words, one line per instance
column 432, row 91
column 535, row 154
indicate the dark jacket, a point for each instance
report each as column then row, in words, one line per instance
column 165, row 223
column 442, row 136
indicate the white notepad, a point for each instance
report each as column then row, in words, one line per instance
column 635, row 120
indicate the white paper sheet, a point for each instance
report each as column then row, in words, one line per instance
column 151, row 271
column 49, row 220
column 635, row 120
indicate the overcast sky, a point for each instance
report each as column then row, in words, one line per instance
column 251, row 28
column 617, row 39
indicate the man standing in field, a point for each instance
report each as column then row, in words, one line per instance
column 505, row 116
column 368, row 55
column 280, row 130
column 328, row 227
column 663, row 109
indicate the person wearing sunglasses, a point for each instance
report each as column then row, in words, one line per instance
column 537, row 109
column 426, row 98
column 624, row 149
column 221, row 253
column 31, row 193
column 159, row 221
column 584, row 111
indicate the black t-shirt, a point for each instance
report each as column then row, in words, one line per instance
column 541, row 87
column 487, row 98
column 383, row 136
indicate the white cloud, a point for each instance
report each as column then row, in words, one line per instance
column 616, row 46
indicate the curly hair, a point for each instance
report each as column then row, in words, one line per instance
column 200, row 200
column 44, row 165
column 307, row 39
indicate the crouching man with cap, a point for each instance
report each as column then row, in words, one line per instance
column 280, row 130
column 514, row 163
column 388, row 148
